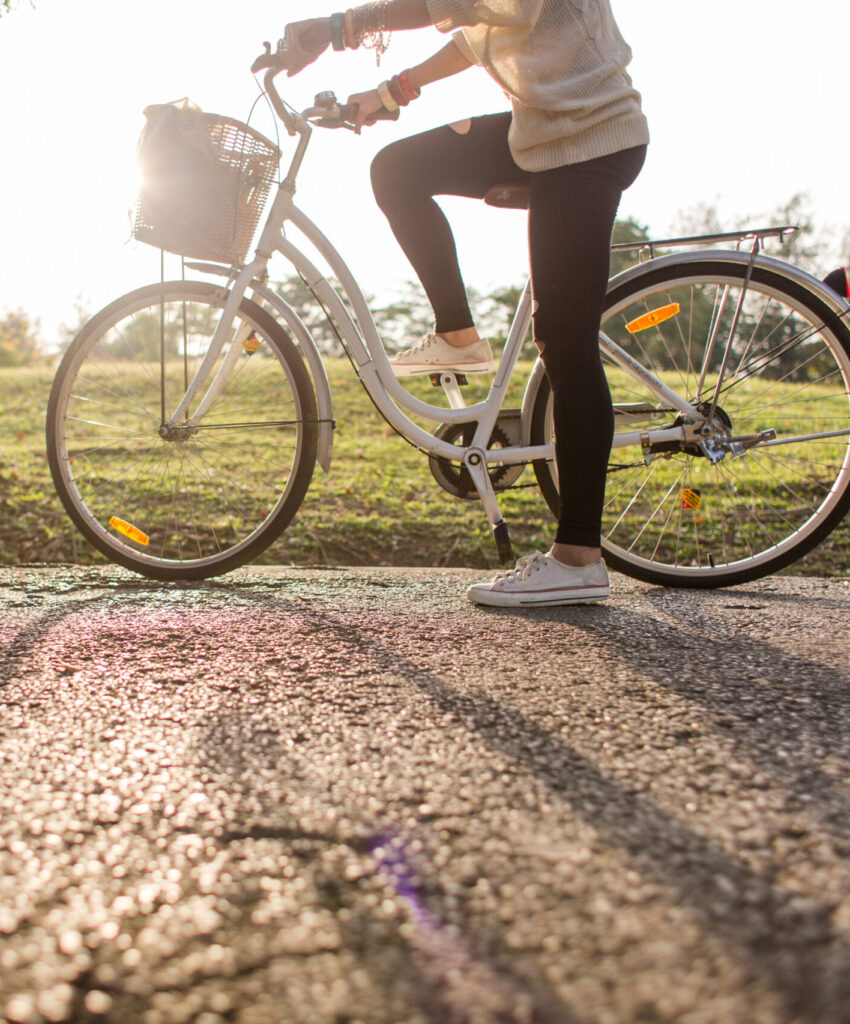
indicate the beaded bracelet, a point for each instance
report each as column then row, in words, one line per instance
column 370, row 26
column 386, row 98
column 337, row 31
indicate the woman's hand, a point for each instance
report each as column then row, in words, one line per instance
column 305, row 41
column 367, row 104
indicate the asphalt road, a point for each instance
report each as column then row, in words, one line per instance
column 348, row 796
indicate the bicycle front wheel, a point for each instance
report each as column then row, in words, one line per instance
column 682, row 519
column 185, row 501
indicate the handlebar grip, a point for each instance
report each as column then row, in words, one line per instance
column 349, row 112
column 386, row 115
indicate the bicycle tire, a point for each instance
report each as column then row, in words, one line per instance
column 784, row 499
column 201, row 501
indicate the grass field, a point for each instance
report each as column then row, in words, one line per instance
column 379, row 505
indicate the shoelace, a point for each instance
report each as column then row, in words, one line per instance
column 524, row 568
column 427, row 342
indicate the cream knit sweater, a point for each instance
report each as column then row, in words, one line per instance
column 563, row 65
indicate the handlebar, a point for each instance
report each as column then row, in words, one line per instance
column 341, row 115
column 325, row 112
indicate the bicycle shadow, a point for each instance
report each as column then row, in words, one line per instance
column 792, row 948
column 23, row 643
column 772, row 705
column 763, row 595
column 695, row 867
column 29, row 637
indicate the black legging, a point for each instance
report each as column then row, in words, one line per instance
column 571, row 216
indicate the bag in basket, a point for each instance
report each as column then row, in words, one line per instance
column 205, row 179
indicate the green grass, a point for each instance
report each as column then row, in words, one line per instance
column 379, row 505
column 748, row 503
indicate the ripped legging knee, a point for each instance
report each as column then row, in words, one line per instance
column 571, row 216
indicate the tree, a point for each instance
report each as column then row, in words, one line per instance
column 627, row 232
column 810, row 245
column 19, row 343
column 813, row 247
column 69, row 331
column 406, row 319
column 494, row 313
column 408, row 316
column 6, row 6
column 295, row 292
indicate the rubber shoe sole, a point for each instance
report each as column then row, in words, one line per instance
column 421, row 369
column 540, row 581
column 482, row 593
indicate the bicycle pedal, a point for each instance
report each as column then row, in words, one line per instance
column 437, row 378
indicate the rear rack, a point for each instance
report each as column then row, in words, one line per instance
column 758, row 234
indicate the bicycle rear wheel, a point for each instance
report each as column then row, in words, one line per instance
column 185, row 502
column 682, row 520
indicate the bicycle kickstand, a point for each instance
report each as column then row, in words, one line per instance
column 476, row 465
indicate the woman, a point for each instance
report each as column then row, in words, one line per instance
column 576, row 138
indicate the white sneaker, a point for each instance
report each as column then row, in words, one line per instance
column 433, row 355
column 541, row 581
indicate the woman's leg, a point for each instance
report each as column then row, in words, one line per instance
column 571, row 217
column 446, row 161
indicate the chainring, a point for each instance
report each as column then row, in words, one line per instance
column 454, row 477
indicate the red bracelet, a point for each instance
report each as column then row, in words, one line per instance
column 407, row 87
column 399, row 94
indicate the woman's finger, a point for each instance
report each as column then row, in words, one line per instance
column 366, row 104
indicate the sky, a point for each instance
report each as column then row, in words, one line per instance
column 747, row 103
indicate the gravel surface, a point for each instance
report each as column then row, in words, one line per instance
column 341, row 796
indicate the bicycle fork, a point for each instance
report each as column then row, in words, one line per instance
column 222, row 330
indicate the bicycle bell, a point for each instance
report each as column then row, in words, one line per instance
column 325, row 99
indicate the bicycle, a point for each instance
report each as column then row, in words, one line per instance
column 187, row 417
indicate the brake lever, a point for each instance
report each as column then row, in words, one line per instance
column 334, row 122
column 273, row 61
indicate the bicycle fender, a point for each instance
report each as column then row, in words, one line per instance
column 304, row 339
column 311, row 353
column 538, row 372
column 780, row 267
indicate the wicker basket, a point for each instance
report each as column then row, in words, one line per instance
column 205, row 182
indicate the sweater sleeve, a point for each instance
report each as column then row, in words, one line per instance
column 451, row 14
column 462, row 43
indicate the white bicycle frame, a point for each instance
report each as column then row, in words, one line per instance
column 364, row 343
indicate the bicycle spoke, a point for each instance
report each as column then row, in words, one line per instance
column 655, row 512
column 784, row 371
column 631, row 502
column 663, row 529
column 158, row 499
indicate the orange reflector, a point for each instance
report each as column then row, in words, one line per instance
column 653, row 318
column 129, row 531
column 251, row 344
column 689, row 499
